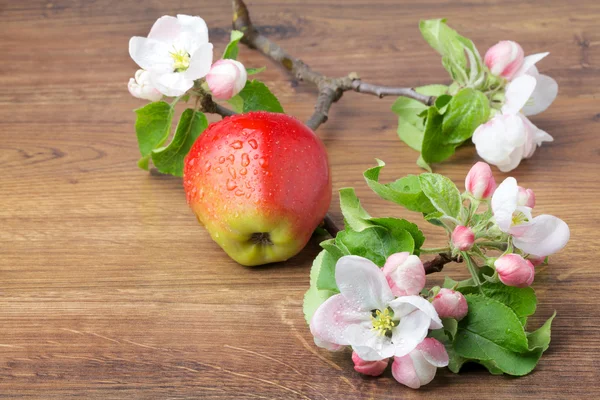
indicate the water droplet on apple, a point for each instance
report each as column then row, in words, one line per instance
column 231, row 157
column 221, row 160
column 207, row 166
column 231, row 172
column 255, row 172
column 231, row 184
column 253, row 144
column 239, row 192
column 243, row 171
column 245, row 160
column 248, row 185
column 218, row 170
column 255, row 156
column 263, row 162
column 248, row 195
column 192, row 162
column 237, row 144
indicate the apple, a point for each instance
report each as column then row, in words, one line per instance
column 260, row 183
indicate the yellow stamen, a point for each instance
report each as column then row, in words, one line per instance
column 182, row 60
column 519, row 218
column 383, row 322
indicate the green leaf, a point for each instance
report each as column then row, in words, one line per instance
column 169, row 159
column 396, row 225
column 376, row 243
column 314, row 297
column 521, row 300
column 442, row 102
column 540, row 339
column 232, row 49
column 326, row 277
column 466, row 111
column 410, row 124
column 492, row 332
column 257, row 97
column 455, row 362
column 459, row 55
column 450, row 326
column 405, row 191
column 333, row 249
column 442, row 193
column 152, row 127
column 421, row 163
column 434, row 148
column 354, row 214
column 254, row 71
column 237, row 103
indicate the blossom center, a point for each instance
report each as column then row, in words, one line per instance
column 383, row 322
column 181, row 60
column 519, row 218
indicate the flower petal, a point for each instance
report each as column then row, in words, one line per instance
column 333, row 317
column 165, row 29
column 410, row 332
column 406, row 304
column 172, row 83
column 404, row 273
column 544, row 94
column 150, row 54
column 424, row 370
column 404, row 372
column 194, row 25
column 368, row 344
column 200, row 62
column 434, row 352
column 327, row 345
column 542, row 236
column 362, row 283
column 518, row 93
column 529, row 62
column 504, row 202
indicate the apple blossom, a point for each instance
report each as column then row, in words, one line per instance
column 545, row 90
column 372, row 368
column 514, row 270
column 536, row 261
column 366, row 316
column 176, row 53
column 141, row 87
column 226, row 78
column 480, row 182
column 539, row 236
column 506, row 139
column 405, row 274
column 504, row 58
column 450, row 304
column 462, row 238
column 526, row 197
column 418, row 368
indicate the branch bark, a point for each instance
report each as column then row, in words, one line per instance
column 437, row 264
column 330, row 89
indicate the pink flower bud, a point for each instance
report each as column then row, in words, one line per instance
column 535, row 260
column 514, row 270
column 480, row 182
column 226, row 78
column 450, row 304
column 504, row 58
column 418, row 367
column 373, row 368
column 526, row 197
column 405, row 274
column 463, row 238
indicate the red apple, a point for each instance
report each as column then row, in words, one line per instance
column 260, row 184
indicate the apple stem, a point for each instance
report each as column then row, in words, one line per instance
column 330, row 226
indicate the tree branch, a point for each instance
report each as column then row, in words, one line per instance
column 437, row 264
column 330, row 89
column 207, row 104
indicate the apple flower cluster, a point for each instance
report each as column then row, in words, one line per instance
column 512, row 226
column 381, row 316
column 384, row 314
column 175, row 57
column 510, row 136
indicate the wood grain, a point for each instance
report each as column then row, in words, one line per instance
column 109, row 289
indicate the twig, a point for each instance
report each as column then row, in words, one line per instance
column 330, row 89
column 330, row 226
column 210, row 106
column 437, row 264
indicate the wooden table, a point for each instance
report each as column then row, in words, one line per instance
column 109, row 288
